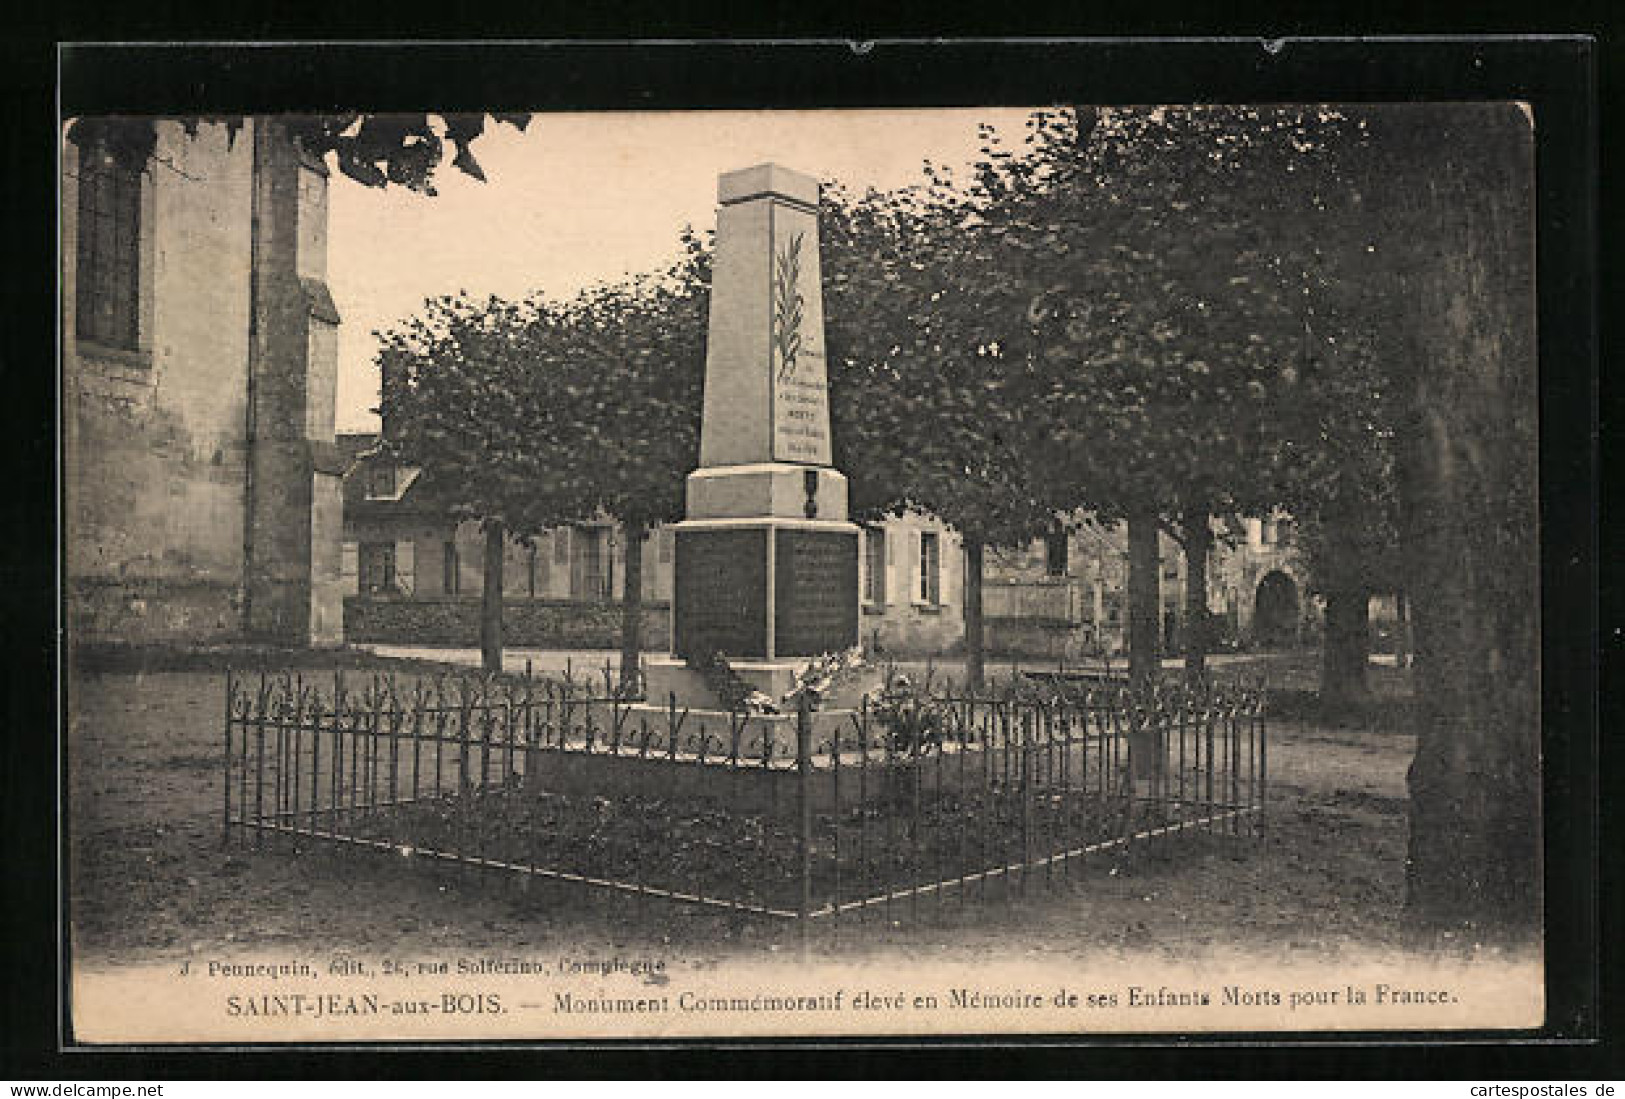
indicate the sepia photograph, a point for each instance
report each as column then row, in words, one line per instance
column 1062, row 568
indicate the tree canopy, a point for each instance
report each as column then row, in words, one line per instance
column 375, row 150
column 929, row 408
column 1173, row 313
column 541, row 412
column 535, row 414
column 1135, row 311
column 1135, row 308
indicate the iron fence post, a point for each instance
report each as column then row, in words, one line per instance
column 376, row 722
column 315, row 757
column 864, row 875
column 259, row 778
column 1208, row 723
column 835, row 831
column 1263, row 766
column 1234, row 795
column 225, row 813
column 804, row 767
column 1026, row 727
column 335, row 769
column 297, row 743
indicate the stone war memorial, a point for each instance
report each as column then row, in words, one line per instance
column 766, row 563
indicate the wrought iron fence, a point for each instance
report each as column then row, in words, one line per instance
column 914, row 798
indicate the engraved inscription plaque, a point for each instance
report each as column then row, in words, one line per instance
column 815, row 601
column 719, row 594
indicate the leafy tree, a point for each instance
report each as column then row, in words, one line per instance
column 1233, row 309
column 1137, row 376
column 1369, row 366
column 536, row 413
column 1180, row 275
column 375, row 150
column 928, row 409
column 456, row 381
column 1340, row 484
column 638, row 350
column 1454, row 186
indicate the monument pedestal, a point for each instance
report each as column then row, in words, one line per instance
column 765, row 568
column 764, row 592
column 667, row 677
column 760, row 576
column 770, row 490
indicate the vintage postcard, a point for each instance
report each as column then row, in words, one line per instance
column 1027, row 570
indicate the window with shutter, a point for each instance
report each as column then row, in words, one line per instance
column 451, row 579
column 595, row 573
column 350, row 567
column 874, row 566
column 896, row 584
column 378, row 568
column 930, row 568
column 405, row 558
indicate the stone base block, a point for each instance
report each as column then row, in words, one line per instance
column 764, row 590
column 775, row 490
column 751, row 766
column 665, row 677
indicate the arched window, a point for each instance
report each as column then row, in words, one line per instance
column 107, row 290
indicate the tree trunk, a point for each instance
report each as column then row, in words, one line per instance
column 975, row 640
column 1474, row 852
column 1198, row 546
column 491, row 598
column 1470, row 523
column 632, row 606
column 1144, row 594
column 1345, row 648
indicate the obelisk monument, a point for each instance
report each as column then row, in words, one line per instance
column 766, row 564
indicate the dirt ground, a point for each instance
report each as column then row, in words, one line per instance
column 149, row 879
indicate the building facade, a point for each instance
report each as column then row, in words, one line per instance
column 199, row 366
column 1065, row 596
column 911, row 577
column 414, row 575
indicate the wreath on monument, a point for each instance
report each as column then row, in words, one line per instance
column 730, row 688
column 821, row 675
